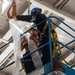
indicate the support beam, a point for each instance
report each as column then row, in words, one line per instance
column 6, row 54
column 51, row 9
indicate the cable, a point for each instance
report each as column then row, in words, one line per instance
column 25, row 56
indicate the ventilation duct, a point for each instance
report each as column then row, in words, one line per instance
column 60, row 4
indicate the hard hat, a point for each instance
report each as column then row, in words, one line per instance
column 34, row 10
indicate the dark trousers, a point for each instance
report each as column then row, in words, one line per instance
column 45, row 51
column 28, row 64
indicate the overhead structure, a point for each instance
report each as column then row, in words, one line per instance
column 60, row 4
column 71, row 48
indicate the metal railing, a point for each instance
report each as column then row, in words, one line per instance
column 50, row 40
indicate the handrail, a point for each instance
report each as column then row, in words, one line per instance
column 46, row 43
column 24, row 33
column 25, row 56
column 62, row 22
column 39, row 24
column 63, row 30
column 64, row 45
column 50, row 42
column 67, row 43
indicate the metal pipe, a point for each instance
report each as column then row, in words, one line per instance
column 50, row 42
column 24, row 56
column 63, row 30
column 39, row 24
column 43, row 21
column 32, row 52
column 66, row 52
column 24, row 33
column 60, row 4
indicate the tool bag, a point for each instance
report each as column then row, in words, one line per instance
column 33, row 61
column 28, row 64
